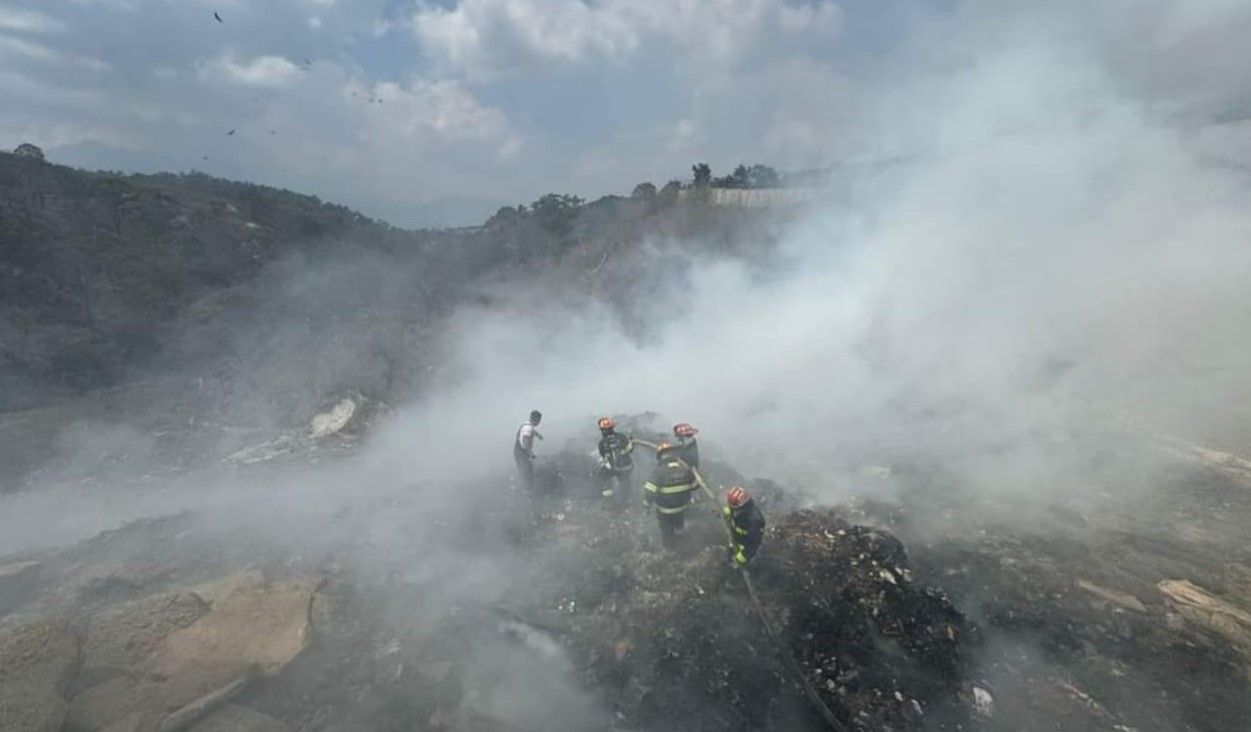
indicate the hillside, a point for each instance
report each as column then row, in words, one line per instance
column 105, row 278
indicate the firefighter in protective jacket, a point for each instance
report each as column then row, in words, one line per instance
column 669, row 490
column 747, row 524
column 687, row 448
column 616, row 465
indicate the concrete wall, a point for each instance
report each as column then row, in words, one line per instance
column 751, row 197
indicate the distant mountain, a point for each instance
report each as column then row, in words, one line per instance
column 442, row 213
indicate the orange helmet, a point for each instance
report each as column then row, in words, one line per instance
column 737, row 496
column 606, row 423
column 684, row 429
column 663, row 448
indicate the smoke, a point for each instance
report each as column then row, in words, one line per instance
column 1057, row 249
column 1058, row 255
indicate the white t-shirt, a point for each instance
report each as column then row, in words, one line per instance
column 525, row 438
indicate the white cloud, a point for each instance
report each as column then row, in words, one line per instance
column 28, row 21
column 23, row 89
column 32, row 51
column 260, row 71
column 483, row 37
column 436, row 113
column 823, row 16
column 29, row 49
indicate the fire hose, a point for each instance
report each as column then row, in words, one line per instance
column 789, row 660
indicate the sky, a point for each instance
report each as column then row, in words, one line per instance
column 389, row 105
column 437, row 112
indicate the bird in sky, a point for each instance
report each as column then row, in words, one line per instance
column 219, row 18
column 228, row 134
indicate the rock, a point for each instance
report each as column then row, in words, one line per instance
column 252, row 623
column 1210, row 612
column 36, row 663
column 123, row 636
column 335, row 420
column 1124, row 599
column 181, row 656
column 17, row 584
column 235, row 718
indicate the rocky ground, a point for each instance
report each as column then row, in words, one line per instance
column 499, row 611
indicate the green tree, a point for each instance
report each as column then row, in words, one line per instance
column 702, row 174
column 644, row 190
column 556, row 211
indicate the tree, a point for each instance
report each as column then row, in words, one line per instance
column 644, row 190
column 757, row 176
column 702, row 174
column 505, row 215
column 669, row 194
column 556, row 211
column 28, row 150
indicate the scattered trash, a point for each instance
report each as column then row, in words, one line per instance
column 983, row 702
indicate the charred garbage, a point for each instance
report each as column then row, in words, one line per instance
column 649, row 637
column 670, row 639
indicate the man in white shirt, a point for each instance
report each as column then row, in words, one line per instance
column 523, row 449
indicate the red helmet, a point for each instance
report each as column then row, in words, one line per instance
column 684, row 429
column 606, row 423
column 737, row 496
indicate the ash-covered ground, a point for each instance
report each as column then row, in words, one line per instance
column 313, row 603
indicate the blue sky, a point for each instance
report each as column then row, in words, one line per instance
column 390, row 105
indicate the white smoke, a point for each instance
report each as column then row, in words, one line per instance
column 1058, row 253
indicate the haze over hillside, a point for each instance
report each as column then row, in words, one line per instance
column 109, row 277
column 963, row 341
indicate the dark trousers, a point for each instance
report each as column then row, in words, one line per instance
column 750, row 544
column 614, row 483
column 525, row 468
column 671, row 523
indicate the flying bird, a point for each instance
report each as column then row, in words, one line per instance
column 219, row 18
column 228, row 134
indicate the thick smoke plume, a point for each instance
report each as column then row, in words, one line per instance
column 1055, row 256
column 1057, row 250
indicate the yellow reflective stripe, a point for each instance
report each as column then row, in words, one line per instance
column 650, row 486
column 741, row 532
column 684, row 488
column 679, row 509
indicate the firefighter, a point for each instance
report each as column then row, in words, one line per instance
column 616, row 465
column 669, row 489
column 687, row 448
column 523, row 449
column 747, row 524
